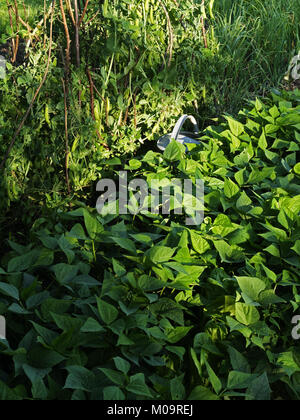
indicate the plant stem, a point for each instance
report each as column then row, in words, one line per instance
column 35, row 95
column 67, row 151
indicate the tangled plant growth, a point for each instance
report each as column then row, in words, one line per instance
column 120, row 73
column 143, row 307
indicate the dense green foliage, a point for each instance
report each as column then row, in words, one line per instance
column 143, row 307
column 140, row 94
column 30, row 12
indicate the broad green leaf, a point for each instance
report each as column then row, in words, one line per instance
column 137, row 386
column 17, row 309
column 230, row 188
column 92, row 326
column 196, row 362
column 200, row 245
column 47, row 335
column 214, row 380
column 119, row 269
column 57, row 306
column 204, row 341
column 289, row 119
column 113, row 393
column 201, row 393
column 238, row 361
column 160, row 254
column 126, row 244
column 107, row 312
column 259, row 389
column 273, row 250
column 67, row 322
column 296, row 247
column 92, row 225
column 177, row 389
column 246, row 314
column 39, row 390
column 65, row 273
column 23, row 262
column 269, row 297
column 167, row 308
column 114, row 376
column 236, row 127
column 35, row 374
column 135, row 164
column 259, row 175
column 149, row 284
column 123, row 340
column 240, row 380
column 243, row 202
column 9, row 290
column 122, row 365
column 66, row 247
column 80, row 378
column 297, row 168
column 174, row 151
column 262, row 142
column 251, row 286
column 178, row 334
column 287, row 362
column 179, row 351
column 44, row 358
column 8, row 394
column 229, row 253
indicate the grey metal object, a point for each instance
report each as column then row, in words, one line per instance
column 2, row 328
column 2, row 67
column 183, row 137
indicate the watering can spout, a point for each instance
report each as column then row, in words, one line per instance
column 178, row 135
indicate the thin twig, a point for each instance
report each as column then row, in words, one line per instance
column 26, row 25
column 204, row 32
column 84, row 12
column 38, row 26
column 68, row 59
column 17, row 26
column 35, row 95
column 92, row 88
column 134, row 111
column 45, row 23
column 171, row 35
column 67, row 151
column 9, row 7
column 77, row 39
column 24, row 7
column 70, row 10
column 97, row 91
column 106, row 112
column 91, row 93
column 77, row 42
column 203, row 24
column 181, row 18
column 92, row 18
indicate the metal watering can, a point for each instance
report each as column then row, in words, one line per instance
column 183, row 137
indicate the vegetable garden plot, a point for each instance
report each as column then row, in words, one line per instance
column 144, row 307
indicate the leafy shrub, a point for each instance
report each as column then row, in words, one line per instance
column 221, row 54
column 143, row 307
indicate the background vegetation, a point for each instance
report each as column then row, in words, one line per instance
column 215, row 301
